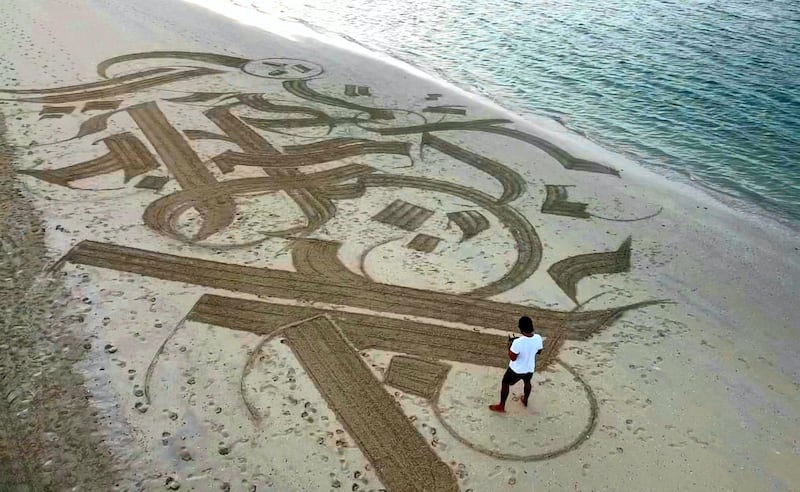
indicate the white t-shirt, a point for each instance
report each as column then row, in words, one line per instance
column 525, row 348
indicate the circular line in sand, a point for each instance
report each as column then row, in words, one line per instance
column 582, row 436
column 283, row 69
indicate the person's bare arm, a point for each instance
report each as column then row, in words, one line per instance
column 511, row 355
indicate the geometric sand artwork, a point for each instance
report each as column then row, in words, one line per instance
column 424, row 243
column 101, row 105
column 353, row 90
column 152, row 182
column 445, row 110
column 569, row 271
column 403, row 215
column 56, row 111
column 557, row 203
column 416, row 376
column 349, row 387
column 315, row 161
column 471, row 222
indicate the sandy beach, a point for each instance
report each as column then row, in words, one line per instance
column 237, row 255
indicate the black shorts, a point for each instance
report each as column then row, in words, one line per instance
column 511, row 378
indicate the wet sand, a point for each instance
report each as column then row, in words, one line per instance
column 242, row 259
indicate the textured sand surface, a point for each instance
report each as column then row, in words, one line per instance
column 244, row 258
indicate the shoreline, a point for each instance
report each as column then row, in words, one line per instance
column 750, row 208
column 706, row 350
column 49, row 434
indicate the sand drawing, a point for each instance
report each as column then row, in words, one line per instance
column 282, row 68
column 101, row 105
column 529, row 247
column 416, row 376
column 154, row 183
column 297, row 156
column 471, row 223
column 125, row 152
column 174, row 75
column 272, row 147
column 568, row 272
column 426, row 344
column 403, row 215
column 513, row 184
column 314, row 257
column 567, row 160
column 470, row 310
column 301, row 89
column 556, row 202
column 400, row 455
column 445, row 110
column 55, row 111
column 424, row 243
column 351, row 90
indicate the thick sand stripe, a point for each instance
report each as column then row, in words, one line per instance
column 579, row 325
column 401, row 457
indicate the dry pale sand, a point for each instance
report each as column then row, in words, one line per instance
column 287, row 265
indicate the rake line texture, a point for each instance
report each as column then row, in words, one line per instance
column 528, row 245
column 217, row 211
column 376, row 297
column 416, row 376
column 423, row 243
column 320, row 258
column 125, row 152
column 568, row 272
column 316, row 153
column 471, row 223
column 301, row 89
column 121, row 88
column 401, row 457
column 556, row 202
column 445, row 110
column 403, row 215
column 317, row 207
column 513, row 183
column 101, row 105
column 212, row 58
column 567, row 160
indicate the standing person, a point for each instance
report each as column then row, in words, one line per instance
column 522, row 351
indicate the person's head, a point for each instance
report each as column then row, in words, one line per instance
column 526, row 325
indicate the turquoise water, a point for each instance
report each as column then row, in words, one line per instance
column 708, row 89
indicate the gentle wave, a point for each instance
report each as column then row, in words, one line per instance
column 708, row 90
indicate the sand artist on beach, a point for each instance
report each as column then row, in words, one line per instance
column 522, row 351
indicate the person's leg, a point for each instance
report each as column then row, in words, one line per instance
column 527, row 381
column 509, row 379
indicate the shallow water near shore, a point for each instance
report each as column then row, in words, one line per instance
column 704, row 90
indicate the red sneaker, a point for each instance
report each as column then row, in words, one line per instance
column 497, row 408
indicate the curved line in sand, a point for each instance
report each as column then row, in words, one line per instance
column 114, row 196
column 661, row 209
column 248, row 366
column 363, row 263
column 587, row 431
column 151, row 367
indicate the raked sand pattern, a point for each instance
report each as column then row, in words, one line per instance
column 205, row 204
column 301, row 280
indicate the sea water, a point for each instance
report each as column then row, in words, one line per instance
column 707, row 89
